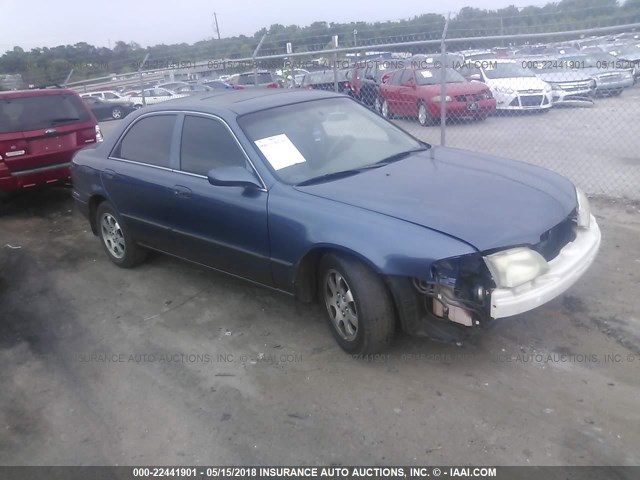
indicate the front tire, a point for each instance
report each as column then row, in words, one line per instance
column 116, row 241
column 360, row 310
column 116, row 113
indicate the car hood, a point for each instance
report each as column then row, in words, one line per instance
column 517, row 83
column 485, row 201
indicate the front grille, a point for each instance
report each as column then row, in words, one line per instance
column 612, row 77
column 531, row 100
column 574, row 86
column 554, row 240
column 469, row 97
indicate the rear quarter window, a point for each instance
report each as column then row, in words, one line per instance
column 41, row 111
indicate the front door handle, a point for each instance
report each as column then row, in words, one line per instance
column 181, row 192
column 109, row 174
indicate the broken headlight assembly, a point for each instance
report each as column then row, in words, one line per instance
column 516, row 266
column 458, row 289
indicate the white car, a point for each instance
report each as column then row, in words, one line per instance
column 153, row 96
column 106, row 95
column 514, row 87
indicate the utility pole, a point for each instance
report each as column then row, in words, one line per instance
column 255, row 64
column 215, row 17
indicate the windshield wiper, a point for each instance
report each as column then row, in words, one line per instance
column 330, row 176
column 397, row 156
column 354, row 171
column 64, row 119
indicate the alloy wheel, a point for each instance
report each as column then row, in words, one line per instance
column 341, row 306
column 112, row 236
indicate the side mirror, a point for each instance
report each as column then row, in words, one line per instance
column 475, row 76
column 232, row 177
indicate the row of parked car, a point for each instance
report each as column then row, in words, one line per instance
column 118, row 103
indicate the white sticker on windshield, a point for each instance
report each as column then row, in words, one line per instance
column 426, row 74
column 280, row 151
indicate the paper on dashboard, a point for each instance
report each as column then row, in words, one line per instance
column 280, row 151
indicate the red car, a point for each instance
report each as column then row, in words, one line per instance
column 40, row 131
column 414, row 93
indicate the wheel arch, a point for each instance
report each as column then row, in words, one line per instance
column 306, row 268
column 94, row 203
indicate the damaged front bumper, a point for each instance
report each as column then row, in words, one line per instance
column 564, row 270
column 452, row 312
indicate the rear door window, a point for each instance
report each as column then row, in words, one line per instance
column 40, row 112
column 148, row 141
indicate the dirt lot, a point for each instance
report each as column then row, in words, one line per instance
column 171, row 363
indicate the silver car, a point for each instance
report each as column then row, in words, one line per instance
column 568, row 85
column 612, row 75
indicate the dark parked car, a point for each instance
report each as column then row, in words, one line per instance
column 104, row 110
column 325, row 80
column 217, row 84
column 259, row 79
column 40, row 130
column 315, row 195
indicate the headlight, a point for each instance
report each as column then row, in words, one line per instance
column 438, row 98
column 547, row 88
column 516, row 266
column 555, row 87
column 627, row 74
column 592, row 84
column 584, row 210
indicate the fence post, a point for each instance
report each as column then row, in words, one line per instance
column 255, row 64
column 335, row 64
column 144, row 100
column 443, row 84
column 68, row 78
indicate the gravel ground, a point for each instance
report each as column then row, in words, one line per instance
column 171, row 363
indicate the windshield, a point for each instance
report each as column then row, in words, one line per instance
column 507, row 70
column 42, row 111
column 433, row 76
column 307, row 140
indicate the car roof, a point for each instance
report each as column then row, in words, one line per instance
column 35, row 92
column 239, row 102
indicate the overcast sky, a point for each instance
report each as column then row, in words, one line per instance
column 37, row 23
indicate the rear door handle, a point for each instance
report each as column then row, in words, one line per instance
column 181, row 192
column 109, row 174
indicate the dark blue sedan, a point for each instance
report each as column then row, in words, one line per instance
column 312, row 194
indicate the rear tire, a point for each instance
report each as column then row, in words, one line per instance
column 423, row 115
column 359, row 308
column 384, row 110
column 116, row 240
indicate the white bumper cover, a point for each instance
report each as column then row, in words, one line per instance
column 564, row 270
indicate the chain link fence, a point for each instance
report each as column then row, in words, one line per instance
column 564, row 100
